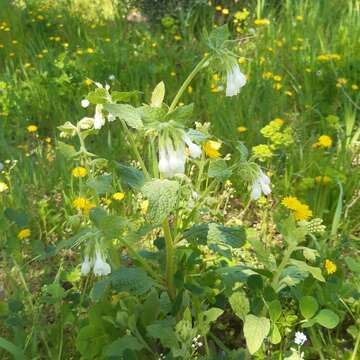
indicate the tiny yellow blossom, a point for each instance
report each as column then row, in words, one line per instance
column 330, row 267
column 260, row 22
column 288, row 93
column 118, row 196
column 277, row 78
column 211, row 149
column 225, row 11
column 90, row 50
column 324, row 180
column 218, row 8
column 299, row 18
column 242, row 15
column 79, row 172
column 242, row 60
column 277, row 86
column 241, row 129
column 24, row 233
column 190, row 89
column 32, row 128
column 177, row 37
column 267, row 75
column 3, row 187
column 354, row 87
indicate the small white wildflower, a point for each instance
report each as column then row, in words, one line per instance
column 99, row 119
column 86, row 266
column 101, row 267
column 259, row 186
column 112, row 77
column 300, row 338
column 85, row 103
column 235, row 80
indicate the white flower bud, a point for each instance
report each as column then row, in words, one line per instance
column 85, row 103
column 86, row 266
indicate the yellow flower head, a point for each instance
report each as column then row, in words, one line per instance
column 225, row 11
column 79, row 172
column 88, row 82
column 277, row 78
column 241, row 129
column 303, row 212
column 118, row 196
column 262, row 151
column 241, row 15
column 291, row 202
column 32, row 128
column 330, row 266
column 260, row 22
column 82, row 203
column 211, row 149
column 3, row 187
column 324, row 141
column 299, row 18
column 90, row 50
column 24, row 233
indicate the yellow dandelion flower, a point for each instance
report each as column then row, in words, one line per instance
column 24, row 233
column 291, row 202
column 277, row 86
column 303, row 212
column 288, row 93
column 218, row 8
column 118, row 196
column 354, row 87
column 79, row 172
column 241, row 129
column 330, row 267
column 211, row 149
column 267, row 75
column 32, row 128
column 90, row 50
column 3, row 187
column 324, row 141
column 277, row 78
column 225, row 11
column 242, row 60
column 216, row 77
column 88, row 82
column 81, row 203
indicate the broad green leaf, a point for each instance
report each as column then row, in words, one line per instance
column 150, row 308
column 111, row 226
column 303, row 266
column 99, row 289
column 162, row 196
column 164, row 331
column 327, row 318
column 239, row 304
column 292, row 233
column 132, row 280
column 181, row 114
column 275, row 310
column 232, row 236
column 91, row 340
column 68, row 151
column 19, row 217
column 130, row 176
column 127, row 342
column 308, row 306
column 123, row 96
column 255, row 331
column 158, row 95
column 98, row 96
column 218, row 169
column 101, row 184
column 127, row 113
column 218, row 36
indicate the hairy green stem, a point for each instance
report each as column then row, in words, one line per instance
column 186, row 83
column 284, row 262
column 169, row 246
column 356, row 348
column 135, row 149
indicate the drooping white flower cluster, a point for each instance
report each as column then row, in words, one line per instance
column 261, row 185
column 172, row 155
column 98, row 263
column 235, row 80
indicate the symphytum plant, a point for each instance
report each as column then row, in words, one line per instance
column 162, row 296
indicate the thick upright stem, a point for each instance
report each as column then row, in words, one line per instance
column 186, row 83
column 169, row 247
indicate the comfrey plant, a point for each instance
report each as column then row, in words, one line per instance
column 153, row 237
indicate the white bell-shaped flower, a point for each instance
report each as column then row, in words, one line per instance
column 194, row 149
column 164, row 166
column 101, row 267
column 86, row 266
column 176, row 158
column 99, row 119
column 261, row 185
column 235, row 80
